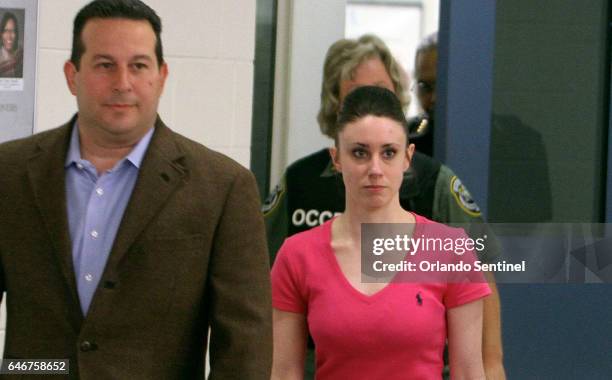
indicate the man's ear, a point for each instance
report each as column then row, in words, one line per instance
column 70, row 72
column 333, row 152
column 163, row 71
column 409, row 155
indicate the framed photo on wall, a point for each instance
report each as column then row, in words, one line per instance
column 18, row 48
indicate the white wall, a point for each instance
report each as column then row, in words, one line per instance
column 305, row 30
column 209, row 46
column 431, row 15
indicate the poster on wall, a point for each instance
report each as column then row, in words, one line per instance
column 18, row 47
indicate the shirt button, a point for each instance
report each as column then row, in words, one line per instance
column 80, row 166
column 99, row 191
column 89, row 277
column 87, row 346
column 94, row 234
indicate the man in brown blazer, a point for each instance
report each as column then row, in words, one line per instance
column 121, row 242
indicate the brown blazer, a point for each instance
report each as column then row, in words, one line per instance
column 190, row 254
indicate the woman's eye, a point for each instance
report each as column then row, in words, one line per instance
column 389, row 153
column 359, row 153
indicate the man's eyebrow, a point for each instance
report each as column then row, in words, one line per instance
column 103, row 56
column 139, row 57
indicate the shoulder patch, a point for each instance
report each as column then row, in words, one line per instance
column 273, row 199
column 463, row 197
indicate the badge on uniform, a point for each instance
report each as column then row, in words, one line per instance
column 463, row 197
column 273, row 199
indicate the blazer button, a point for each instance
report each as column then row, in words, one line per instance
column 88, row 346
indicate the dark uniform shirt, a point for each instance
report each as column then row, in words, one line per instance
column 421, row 133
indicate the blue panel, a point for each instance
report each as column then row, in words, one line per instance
column 608, row 215
column 557, row 332
column 609, row 166
column 465, row 89
column 549, row 331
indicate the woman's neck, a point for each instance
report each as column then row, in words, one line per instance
column 354, row 216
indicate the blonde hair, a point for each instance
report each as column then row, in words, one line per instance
column 342, row 58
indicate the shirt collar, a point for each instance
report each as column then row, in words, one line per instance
column 135, row 156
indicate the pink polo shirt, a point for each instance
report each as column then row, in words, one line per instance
column 397, row 333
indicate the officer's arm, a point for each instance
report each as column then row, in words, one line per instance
column 453, row 204
column 275, row 210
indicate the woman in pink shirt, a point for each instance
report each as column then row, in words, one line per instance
column 370, row 330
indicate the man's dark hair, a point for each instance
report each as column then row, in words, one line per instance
column 128, row 9
column 5, row 19
column 428, row 43
column 370, row 101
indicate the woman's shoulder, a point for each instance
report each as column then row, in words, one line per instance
column 306, row 249
column 310, row 238
column 430, row 227
column 304, row 243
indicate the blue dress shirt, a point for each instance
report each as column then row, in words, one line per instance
column 95, row 205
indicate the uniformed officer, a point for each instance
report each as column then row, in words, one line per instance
column 421, row 127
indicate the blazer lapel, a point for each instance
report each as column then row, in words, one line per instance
column 161, row 172
column 47, row 178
